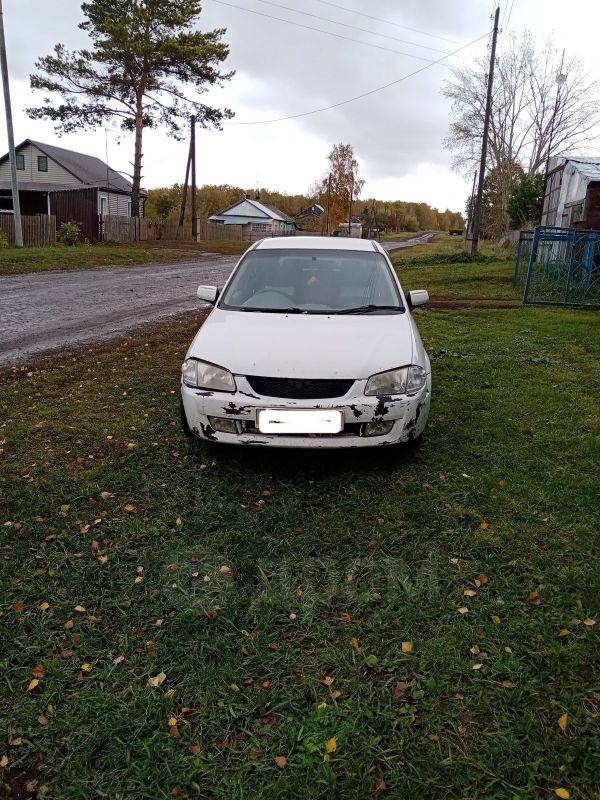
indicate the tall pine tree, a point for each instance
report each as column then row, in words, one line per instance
column 144, row 55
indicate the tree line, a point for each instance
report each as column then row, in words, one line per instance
column 393, row 215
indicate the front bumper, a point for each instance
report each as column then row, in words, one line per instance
column 408, row 414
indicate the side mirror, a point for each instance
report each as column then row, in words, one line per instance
column 208, row 293
column 418, row 297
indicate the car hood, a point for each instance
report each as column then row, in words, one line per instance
column 305, row 345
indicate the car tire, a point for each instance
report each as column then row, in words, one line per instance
column 184, row 423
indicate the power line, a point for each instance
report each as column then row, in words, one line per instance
column 352, row 27
column 387, row 21
column 509, row 13
column 359, row 96
column 328, row 33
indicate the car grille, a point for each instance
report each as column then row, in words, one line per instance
column 299, row 389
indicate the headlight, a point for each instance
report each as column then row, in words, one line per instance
column 405, row 380
column 203, row 375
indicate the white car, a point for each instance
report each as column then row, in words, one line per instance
column 311, row 343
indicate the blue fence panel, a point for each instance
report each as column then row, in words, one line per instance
column 564, row 267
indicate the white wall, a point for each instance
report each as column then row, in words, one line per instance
column 55, row 174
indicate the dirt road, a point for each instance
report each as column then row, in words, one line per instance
column 49, row 311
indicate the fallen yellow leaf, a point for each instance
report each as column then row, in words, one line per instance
column 477, row 666
column 589, row 622
column 38, row 671
column 281, row 761
column 354, row 643
column 44, row 606
column 331, row 745
column 86, row 667
column 33, row 684
column 563, row 722
column 118, row 660
column 129, row 508
column 564, row 632
column 496, row 619
column 563, row 793
column 484, row 525
column 463, row 610
column 225, row 570
column 42, row 720
column 4, row 761
column 172, row 721
column 469, row 592
column 80, row 609
column 234, row 687
column 105, row 495
column 155, row 682
column 407, row 647
column 328, row 680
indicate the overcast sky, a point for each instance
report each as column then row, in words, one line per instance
column 283, row 69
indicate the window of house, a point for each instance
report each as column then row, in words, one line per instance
column 129, row 208
column 20, row 161
column 104, row 205
column 260, row 226
column 42, row 163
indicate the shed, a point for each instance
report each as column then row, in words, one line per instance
column 572, row 194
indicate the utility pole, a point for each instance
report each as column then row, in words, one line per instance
column 193, row 158
column 486, row 128
column 328, row 200
column 350, row 211
column 471, row 203
column 11, row 136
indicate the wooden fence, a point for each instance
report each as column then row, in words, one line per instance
column 113, row 228
column 38, row 231
column 131, row 229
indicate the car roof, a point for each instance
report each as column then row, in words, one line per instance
column 315, row 243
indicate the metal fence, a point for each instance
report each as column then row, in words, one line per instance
column 522, row 260
column 563, row 267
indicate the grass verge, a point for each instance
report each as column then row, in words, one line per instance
column 183, row 622
column 43, row 259
column 444, row 269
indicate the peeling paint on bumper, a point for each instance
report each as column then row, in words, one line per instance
column 408, row 414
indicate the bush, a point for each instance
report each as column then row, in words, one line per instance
column 4, row 243
column 69, row 234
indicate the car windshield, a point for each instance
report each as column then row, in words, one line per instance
column 313, row 282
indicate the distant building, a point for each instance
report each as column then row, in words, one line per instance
column 263, row 218
column 310, row 218
column 354, row 229
column 572, row 196
column 48, row 175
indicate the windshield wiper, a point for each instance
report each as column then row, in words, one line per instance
column 291, row 310
column 368, row 309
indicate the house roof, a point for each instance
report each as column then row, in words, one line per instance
column 313, row 210
column 263, row 210
column 41, row 186
column 90, row 170
column 588, row 166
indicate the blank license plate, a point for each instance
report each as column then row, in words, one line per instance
column 313, row 420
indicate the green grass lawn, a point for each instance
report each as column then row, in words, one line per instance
column 41, row 259
column 257, row 624
column 444, row 269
